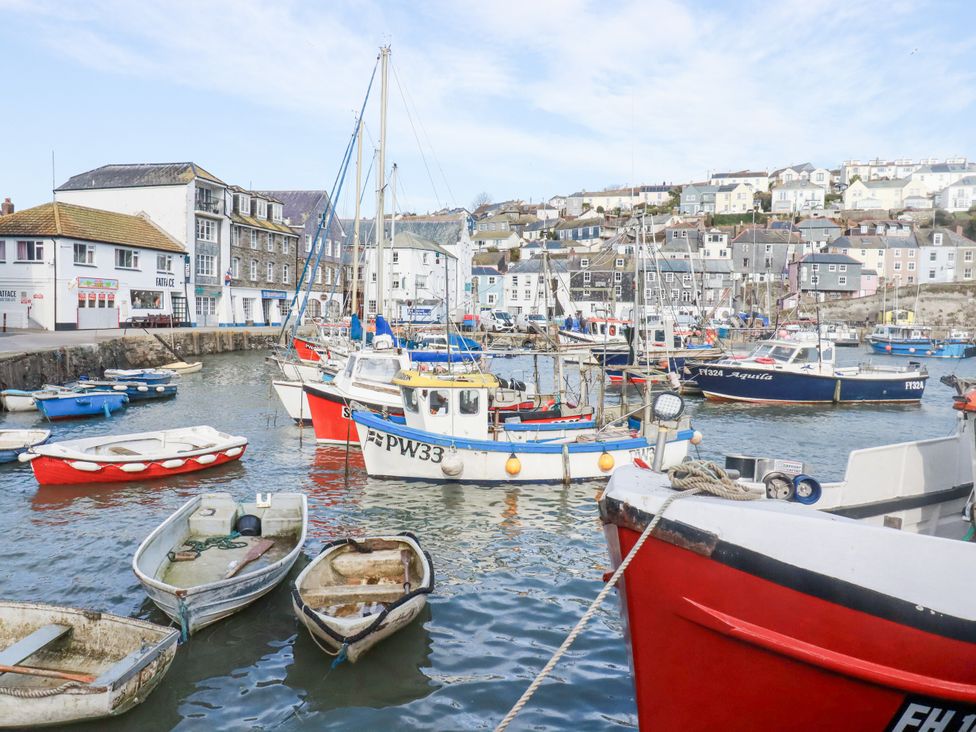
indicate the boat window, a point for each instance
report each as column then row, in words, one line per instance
column 438, row 402
column 410, row 399
column 468, row 402
column 351, row 366
column 781, row 353
column 806, row 355
column 381, row 370
column 828, row 354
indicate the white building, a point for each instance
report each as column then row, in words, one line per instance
column 868, row 195
column 958, row 196
column 66, row 267
column 797, row 195
column 757, row 180
column 934, row 178
column 526, row 289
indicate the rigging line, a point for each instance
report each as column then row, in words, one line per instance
column 416, row 137
column 433, row 152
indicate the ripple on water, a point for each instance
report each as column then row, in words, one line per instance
column 515, row 566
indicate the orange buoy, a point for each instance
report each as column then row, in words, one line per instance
column 513, row 466
column 605, row 462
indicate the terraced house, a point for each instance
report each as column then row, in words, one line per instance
column 264, row 253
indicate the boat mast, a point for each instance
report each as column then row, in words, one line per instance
column 381, row 180
column 393, row 209
column 354, row 305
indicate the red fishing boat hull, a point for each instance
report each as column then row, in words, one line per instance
column 305, row 349
column 332, row 417
column 720, row 647
column 57, row 471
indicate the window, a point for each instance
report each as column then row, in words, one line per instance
column 491, row 281
column 491, row 298
column 3, row 251
column 814, row 279
column 261, row 208
column 248, row 308
column 146, row 299
column 587, row 276
column 372, row 277
column 514, row 280
column 206, row 265
column 468, row 401
column 164, row 263
column 269, row 275
column 328, row 276
column 84, row 254
column 254, row 270
column 243, row 204
column 842, row 280
column 831, row 267
column 318, row 276
column 235, row 236
column 911, row 266
column 584, row 263
column 206, row 306
column 206, row 229
column 254, row 239
column 669, row 276
column 937, row 239
column 308, row 243
column 931, row 274
column 396, row 257
column 815, row 267
column 410, row 402
column 586, row 293
column 650, row 276
column 897, row 266
column 437, row 401
column 372, row 306
column 126, row 259
column 686, row 278
column 967, row 257
column 617, row 291
column 285, row 247
column 271, row 243
column 967, row 274
column 276, row 212
column 841, row 267
column 285, row 273
column 618, row 263
column 898, row 253
column 528, row 294
column 911, row 253
column 235, row 267
column 30, row 251
column 618, row 276
column 932, row 256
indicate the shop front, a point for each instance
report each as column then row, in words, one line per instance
column 273, row 306
column 207, row 302
column 97, row 303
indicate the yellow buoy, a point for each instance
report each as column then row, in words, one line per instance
column 605, row 462
column 513, row 466
column 696, row 438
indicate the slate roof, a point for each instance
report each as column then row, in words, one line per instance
column 578, row 224
column 485, row 272
column 818, row 224
column 409, row 240
column 896, row 183
column 265, row 224
column 88, row 224
column 829, row 258
column 529, row 266
column 949, row 237
column 796, row 185
column 133, row 175
column 741, row 174
column 767, row 236
column 874, row 241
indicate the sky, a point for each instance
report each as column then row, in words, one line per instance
column 513, row 99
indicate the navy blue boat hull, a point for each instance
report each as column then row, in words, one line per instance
column 82, row 405
column 734, row 383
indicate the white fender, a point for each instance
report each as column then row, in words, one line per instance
column 119, row 387
column 85, row 465
column 174, row 463
column 26, row 457
column 142, row 388
column 205, row 459
column 234, row 451
column 160, row 388
column 133, row 467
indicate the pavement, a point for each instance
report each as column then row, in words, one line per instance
column 16, row 340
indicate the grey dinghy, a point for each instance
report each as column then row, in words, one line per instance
column 75, row 665
column 356, row 593
column 199, row 590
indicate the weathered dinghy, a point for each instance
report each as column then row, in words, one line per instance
column 21, row 400
column 138, row 456
column 215, row 555
column 137, row 391
column 63, row 665
column 356, row 593
column 14, row 442
column 149, row 376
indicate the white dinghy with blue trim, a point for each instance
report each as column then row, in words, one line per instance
column 445, row 434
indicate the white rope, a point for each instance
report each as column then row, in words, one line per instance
column 695, row 476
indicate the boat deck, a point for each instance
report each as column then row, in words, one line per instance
column 213, row 564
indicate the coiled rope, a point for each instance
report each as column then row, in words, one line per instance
column 690, row 478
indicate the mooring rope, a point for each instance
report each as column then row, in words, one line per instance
column 690, row 478
column 29, row 693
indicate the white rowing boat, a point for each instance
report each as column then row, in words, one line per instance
column 356, row 593
column 196, row 591
column 14, row 442
column 74, row 665
column 182, row 367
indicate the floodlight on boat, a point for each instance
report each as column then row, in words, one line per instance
column 667, row 406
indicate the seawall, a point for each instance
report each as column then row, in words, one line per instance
column 30, row 370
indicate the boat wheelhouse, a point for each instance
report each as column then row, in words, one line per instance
column 918, row 341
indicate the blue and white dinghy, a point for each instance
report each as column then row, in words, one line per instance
column 14, row 442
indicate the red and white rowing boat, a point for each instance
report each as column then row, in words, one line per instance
column 139, row 456
column 766, row 615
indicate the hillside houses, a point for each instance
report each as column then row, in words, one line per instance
column 797, row 196
column 701, row 198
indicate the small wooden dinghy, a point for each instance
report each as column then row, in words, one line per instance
column 149, row 376
column 199, row 568
column 355, row 593
column 138, row 456
column 73, row 665
column 14, row 442
column 20, row 400
column 182, row 367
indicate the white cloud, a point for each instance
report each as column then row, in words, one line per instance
column 539, row 98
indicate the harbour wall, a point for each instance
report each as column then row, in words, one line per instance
column 944, row 304
column 30, row 370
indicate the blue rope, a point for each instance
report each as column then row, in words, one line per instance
column 341, row 657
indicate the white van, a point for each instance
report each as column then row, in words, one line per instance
column 496, row 320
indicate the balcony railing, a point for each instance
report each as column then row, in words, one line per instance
column 208, row 205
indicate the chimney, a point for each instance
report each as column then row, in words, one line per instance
column 6, row 208
column 958, row 227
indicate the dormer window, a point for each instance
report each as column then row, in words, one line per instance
column 937, row 239
column 243, row 204
column 261, row 208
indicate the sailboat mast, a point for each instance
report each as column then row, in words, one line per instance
column 353, row 302
column 381, row 182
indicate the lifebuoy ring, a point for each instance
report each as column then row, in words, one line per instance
column 613, row 330
column 765, row 359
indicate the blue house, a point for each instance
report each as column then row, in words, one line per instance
column 488, row 287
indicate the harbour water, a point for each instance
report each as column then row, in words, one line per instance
column 515, row 567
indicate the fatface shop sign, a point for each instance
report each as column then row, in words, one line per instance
column 165, row 282
column 8, row 296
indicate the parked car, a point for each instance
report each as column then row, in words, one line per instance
column 531, row 323
column 497, row 320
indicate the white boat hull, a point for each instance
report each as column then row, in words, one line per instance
column 202, row 605
column 18, row 403
column 182, row 367
column 294, row 400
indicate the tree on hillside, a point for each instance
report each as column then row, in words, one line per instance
column 943, row 218
column 482, row 199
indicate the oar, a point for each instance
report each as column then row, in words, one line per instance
column 256, row 551
column 46, row 673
